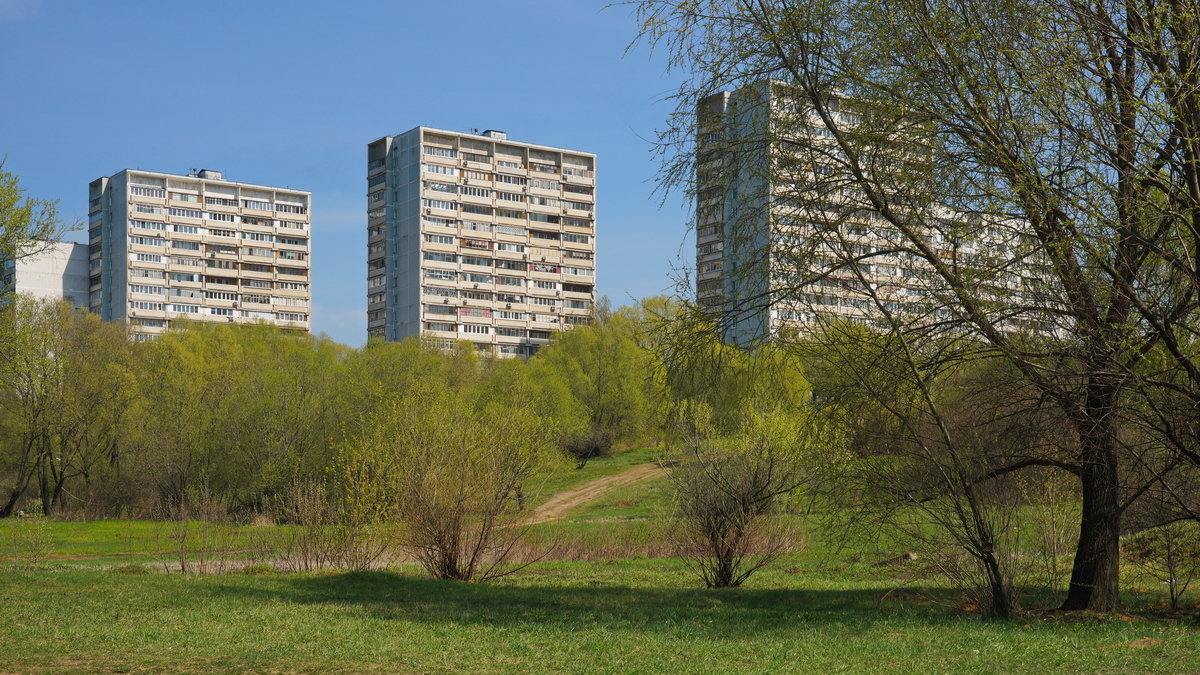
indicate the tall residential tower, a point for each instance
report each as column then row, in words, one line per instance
column 472, row 236
column 200, row 247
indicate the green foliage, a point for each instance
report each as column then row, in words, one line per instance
column 26, row 224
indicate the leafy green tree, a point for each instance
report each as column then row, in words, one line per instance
column 607, row 372
column 26, row 223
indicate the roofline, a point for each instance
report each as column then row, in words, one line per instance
column 508, row 141
column 213, row 180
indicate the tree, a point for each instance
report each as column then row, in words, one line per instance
column 728, row 490
column 1066, row 130
column 455, row 460
column 26, row 224
column 608, row 373
column 67, row 382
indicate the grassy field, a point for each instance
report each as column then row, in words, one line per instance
column 613, row 616
column 73, row 597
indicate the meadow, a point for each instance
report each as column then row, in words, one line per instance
column 98, row 596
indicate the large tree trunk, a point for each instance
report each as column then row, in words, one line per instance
column 1096, row 573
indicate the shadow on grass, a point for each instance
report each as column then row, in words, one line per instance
column 729, row 613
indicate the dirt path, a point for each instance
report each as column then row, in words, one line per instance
column 564, row 502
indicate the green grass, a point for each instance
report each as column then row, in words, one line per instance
column 627, row 616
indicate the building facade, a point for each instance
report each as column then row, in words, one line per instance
column 164, row 247
column 57, row 271
column 785, row 241
column 479, row 238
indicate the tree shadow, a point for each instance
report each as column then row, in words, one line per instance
column 718, row 614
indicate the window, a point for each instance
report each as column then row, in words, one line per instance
column 437, row 256
column 577, row 189
column 548, row 302
column 249, row 267
column 477, row 175
column 510, row 197
column 188, row 262
column 475, row 208
column 537, row 234
column 434, row 151
column 439, row 239
column 434, row 168
column 510, row 213
column 292, row 286
column 291, row 208
column 185, row 292
column 476, row 295
column 152, row 290
column 148, row 241
column 576, row 238
column 257, row 299
column 476, row 243
column 296, row 271
column 475, row 328
column 478, row 278
column 549, row 285
column 256, row 204
column 510, row 265
column 448, row 188
column 220, row 295
column 184, row 276
column 258, row 236
column 473, row 191
column 512, row 248
column 577, row 222
column 147, row 225
column 148, row 274
column 148, row 208
column 444, row 275
column 577, row 288
column 580, row 255
column 511, row 180
column 289, row 224
column 509, row 229
column 512, row 316
column 184, row 197
column 220, row 201
column 220, row 311
column 253, row 283
column 510, row 281
column 140, row 191
column 510, row 332
column 266, row 222
column 545, row 168
column 544, row 218
column 579, row 304
column 543, row 267
column 292, row 255
column 253, row 250
column 476, row 227
column 509, row 164
column 186, row 213
column 474, row 157
column 440, row 222
column 142, row 304
column 543, row 184
column 186, row 229
column 579, row 271
column 476, row 260
column 440, row 292
column 579, row 206
column 223, row 217
column 438, row 204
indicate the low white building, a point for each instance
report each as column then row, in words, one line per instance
column 59, row 272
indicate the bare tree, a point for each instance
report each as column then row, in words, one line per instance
column 1061, row 134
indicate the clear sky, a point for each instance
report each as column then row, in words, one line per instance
column 289, row 93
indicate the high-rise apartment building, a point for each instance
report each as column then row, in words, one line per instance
column 165, row 246
column 57, row 271
column 472, row 236
column 784, row 241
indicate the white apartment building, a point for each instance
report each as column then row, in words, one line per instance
column 57, row 271
column 475, row 237
column 783, row 242
column 197, row 246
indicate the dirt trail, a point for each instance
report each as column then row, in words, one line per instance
column 564, row 502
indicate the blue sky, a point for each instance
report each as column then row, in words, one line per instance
column 290, row 93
